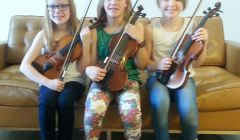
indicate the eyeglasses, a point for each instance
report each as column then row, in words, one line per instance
column 61, row 7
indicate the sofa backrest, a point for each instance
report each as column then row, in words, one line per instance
column 22, row 31
column 216, row 44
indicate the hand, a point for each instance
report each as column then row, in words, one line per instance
column 55, row 84
column 200, row 34
column 164, row 64
column 95, row 73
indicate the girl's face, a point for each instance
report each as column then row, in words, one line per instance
column 115, row 8
column 170, row 8
column 59, row 11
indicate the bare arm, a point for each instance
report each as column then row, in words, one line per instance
column 94, row 72
column 29, row 71
column 137, row 32
column 85, row 58
column 34, row 51
column 148, row 33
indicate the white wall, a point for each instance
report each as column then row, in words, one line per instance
column 231, row 19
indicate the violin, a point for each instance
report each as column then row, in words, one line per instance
column 51, row 64
column 184, row 53
column 122, row 48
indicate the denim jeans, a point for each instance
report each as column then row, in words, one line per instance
column 185, row 100
column 63, row 103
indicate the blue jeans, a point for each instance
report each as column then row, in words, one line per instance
column 185, row 99
column 49, row 102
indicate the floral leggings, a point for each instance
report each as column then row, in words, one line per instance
column 129, row 107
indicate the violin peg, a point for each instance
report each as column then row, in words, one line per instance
column 220, row 11
column 204, row 12
column 209, row 8
column 95, row 18
column 143, row 14
column 91, row 21
column 217, row 14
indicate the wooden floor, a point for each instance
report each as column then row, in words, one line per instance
column 34, row 135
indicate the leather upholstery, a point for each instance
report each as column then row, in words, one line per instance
column 218, row 83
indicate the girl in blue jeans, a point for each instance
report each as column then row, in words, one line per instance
column 161, row 37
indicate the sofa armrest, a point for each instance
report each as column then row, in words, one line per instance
column 232, row 57
column 3, row 45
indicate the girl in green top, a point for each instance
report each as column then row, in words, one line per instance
column 115, row 14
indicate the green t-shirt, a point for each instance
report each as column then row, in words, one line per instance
column 104, row 50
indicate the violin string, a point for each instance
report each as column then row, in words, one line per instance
column 67, row 59
column 118, row 53
column 121, row 36
column 181, row 39
column 118, row 50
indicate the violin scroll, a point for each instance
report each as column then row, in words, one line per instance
column 211, row 12
column 139, row 12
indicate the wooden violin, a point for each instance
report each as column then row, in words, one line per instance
column 50, row 64
column 122, row 47
column 184, row 53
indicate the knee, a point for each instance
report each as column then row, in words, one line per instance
column 191, row 123
column 66, row 105
column 190, row 120
column 95, row 108
column 47, row 103
column 94, row 114
column 159, row 102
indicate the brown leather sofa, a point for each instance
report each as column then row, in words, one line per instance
column 218, row 85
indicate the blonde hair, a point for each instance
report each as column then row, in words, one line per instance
column 101, row 13
column 49, row 26
column 184, row 2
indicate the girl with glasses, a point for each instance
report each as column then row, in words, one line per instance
column 56, row 96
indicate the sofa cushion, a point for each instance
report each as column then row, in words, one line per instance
column 16, row 89
column 217, row 88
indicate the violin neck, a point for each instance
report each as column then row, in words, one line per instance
column 65, row 50
column 202, row 23
column 122, row 42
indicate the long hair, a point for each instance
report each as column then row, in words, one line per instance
column 184, row 2
column 101, row 13
column 49, row 26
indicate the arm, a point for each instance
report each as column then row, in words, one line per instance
column 89, row 58
column 148, row 33
column 137, row 33
column 84, row 60
column 29, row 71
column 154, row 65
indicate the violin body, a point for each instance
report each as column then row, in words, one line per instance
column 177, row 75
column 117, row 76
column 50, row 64
column 122, row 48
